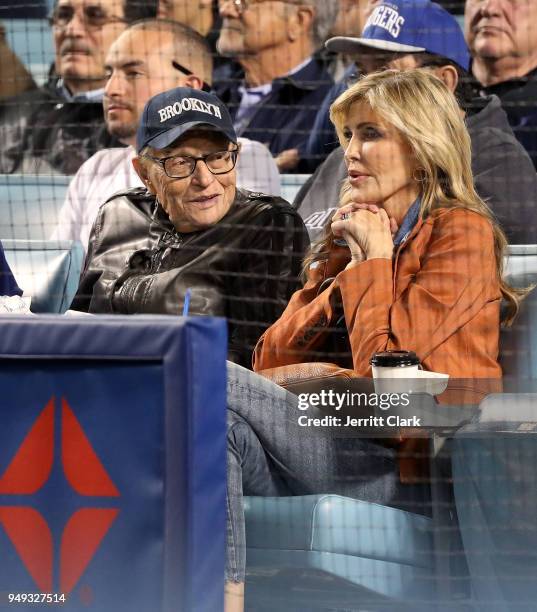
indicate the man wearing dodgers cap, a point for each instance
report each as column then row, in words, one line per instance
column 408, row 26
column 405, row 34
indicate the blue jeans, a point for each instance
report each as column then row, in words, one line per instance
column 270, row 454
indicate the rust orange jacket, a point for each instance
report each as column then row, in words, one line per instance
column 439, row 296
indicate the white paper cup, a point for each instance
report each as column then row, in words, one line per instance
column 410, row 371
column 394, row 371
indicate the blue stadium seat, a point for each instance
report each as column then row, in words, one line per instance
column 46, row 270
column 30, row 204
column 521, row 265
column 518, row 343
column 290, row 184
column 373, row 553
column 495, row 483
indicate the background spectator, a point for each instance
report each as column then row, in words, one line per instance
column 196, row 14
column 56, row 127
column 202, row 16
column 275, row 96
column 350, row 21
column 148, row 58
column 503, row 173
column 502, row 38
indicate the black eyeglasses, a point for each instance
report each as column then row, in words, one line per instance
column 205, row 86
column 93, row 16
column 182, row 166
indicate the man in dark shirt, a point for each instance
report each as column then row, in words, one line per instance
column 502, row 40
column 431, row 38
column 275, row 96
column 55, row 128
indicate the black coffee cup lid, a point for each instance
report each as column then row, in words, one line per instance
column 394, row 359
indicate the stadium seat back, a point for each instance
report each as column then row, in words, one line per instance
column 495, row 485
column 30, row 205
column 291, row 184
column 48, row 271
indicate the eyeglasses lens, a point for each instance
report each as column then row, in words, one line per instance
column 220, row 162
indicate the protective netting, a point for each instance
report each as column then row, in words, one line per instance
column 344, row 509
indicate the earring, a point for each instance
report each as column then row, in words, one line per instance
column 421, row 175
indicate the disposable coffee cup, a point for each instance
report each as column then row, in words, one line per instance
column 395, row 364
column 394, row 371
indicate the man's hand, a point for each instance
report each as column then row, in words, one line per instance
column 287, row 160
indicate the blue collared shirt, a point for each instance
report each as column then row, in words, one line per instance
column 95, row 95
column 410, row 220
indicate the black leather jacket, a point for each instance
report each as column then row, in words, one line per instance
column 43, row 133
column 245, row 268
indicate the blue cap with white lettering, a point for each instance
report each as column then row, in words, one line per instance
column 408, row 26
column 167, row 116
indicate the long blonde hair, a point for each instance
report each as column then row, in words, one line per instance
column 427, row 116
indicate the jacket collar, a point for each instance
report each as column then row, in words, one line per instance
column 490, row 115
column 408, row 223
column 306, row 79
column 504, row 87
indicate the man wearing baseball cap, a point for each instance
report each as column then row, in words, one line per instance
column 190, row 231
column 405, row 34
column 148, row 58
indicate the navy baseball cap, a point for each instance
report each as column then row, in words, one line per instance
column 170, row 114
column 408, row 26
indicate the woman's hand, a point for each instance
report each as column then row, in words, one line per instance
column 367, row 229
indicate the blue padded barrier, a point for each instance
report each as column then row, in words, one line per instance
column 495, row 483
column 48, row 271
column 30, row 204
column 112, row 461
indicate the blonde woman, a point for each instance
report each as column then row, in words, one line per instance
column 423, row 267
column 419, row 268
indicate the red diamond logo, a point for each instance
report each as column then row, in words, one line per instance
column 28, row 472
